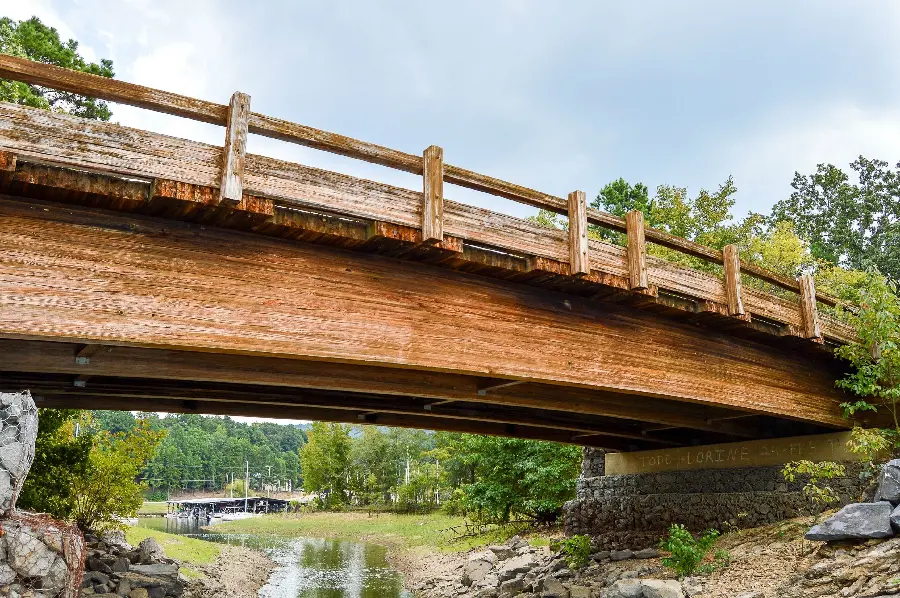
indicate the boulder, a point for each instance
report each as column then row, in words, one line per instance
column 502, row 552
column 553, row 588
column 579, row 592
column 624, row 588
column 855, row 521
column 512, row 587
column 484, row 555
column 895, row 519
column 18, row 429
column 150, row 550
column 647, row 553
column 7, row 575
column 661, row 588
column 515, row 566
column 889, row 485
column 620, row 555
column 26, row 554
column 473, row 571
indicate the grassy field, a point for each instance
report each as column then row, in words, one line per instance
column 152, row 508
column 404, row 530
column 187, row 550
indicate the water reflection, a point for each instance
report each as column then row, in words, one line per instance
column 308, row 567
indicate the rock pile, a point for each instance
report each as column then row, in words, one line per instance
column 861, row 521
column 517, row 569
column 115, row 569
column 39, row 557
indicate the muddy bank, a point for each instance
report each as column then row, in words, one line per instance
column 237, row 573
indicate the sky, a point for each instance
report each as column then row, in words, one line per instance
column 556, row 96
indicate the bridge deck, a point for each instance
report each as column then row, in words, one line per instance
column 307, row 293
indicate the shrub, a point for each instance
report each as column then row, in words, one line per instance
column 577, row 550
column 814, row 490
column 687, row 552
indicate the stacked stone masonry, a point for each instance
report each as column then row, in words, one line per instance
column 634, row 511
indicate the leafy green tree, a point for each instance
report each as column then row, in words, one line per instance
column 60, row 459
column 511, row 476
column 325, row 459
column 109, row 489
column 33, row 40
column 852, row 224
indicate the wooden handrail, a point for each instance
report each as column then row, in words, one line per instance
column 45, row 75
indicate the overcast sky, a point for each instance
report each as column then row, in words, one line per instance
column 552, row 95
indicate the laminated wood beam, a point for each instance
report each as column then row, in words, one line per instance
column 637, row 251
column 433, row 206
column 231, row 188
column 732, row 263
column 808, row 309
column 579, row 259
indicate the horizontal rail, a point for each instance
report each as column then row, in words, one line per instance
column 45, row 75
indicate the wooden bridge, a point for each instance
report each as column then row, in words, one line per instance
column 145, row 272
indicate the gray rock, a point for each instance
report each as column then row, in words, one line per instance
column 661, row 588
column 751, row 594
column 168, row 572
column 647, row 553
column 516, row 542
column 473, row 571
column 579, row 592
column 7, row 575
column 511, row 587
column 17, row 451
column 889, row 485
column 151, row 550
column 28, row 556
column 487, row 593
column 488, row 581
column 603, row 555
column 855, row 521
column 502, row 552
column 553, row 588
column 625, row 588
column 620, row 555
column 485, row 555
column 515, row 566
column 895, row 519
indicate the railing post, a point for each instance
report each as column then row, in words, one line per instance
column 809, row 311
column 231, row 189
column 732, row 263
column 579, row 260
column 636, row 250
column 433, row 208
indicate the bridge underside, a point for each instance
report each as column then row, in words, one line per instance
column 102, row 309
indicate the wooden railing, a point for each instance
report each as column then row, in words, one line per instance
column 239, row 121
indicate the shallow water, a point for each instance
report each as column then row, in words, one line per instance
column 308, row 567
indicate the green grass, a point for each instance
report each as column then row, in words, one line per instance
column 387, row 528
column 152, row 508
column 187, row 550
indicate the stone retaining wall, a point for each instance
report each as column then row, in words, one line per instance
column 634, row 511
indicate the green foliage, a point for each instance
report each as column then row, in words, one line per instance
column 60, row 458
column 819, row 493
column 577, row 550
column 686, row 553
column 201, row 452
column 876, row 355
column 502, row 477
column 325, row 459
column 33, row 40
column 110, row 490
column 854, row 225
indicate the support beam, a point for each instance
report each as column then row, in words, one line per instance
column 732, row 262
column 85, row 352
column 637, row 251
column 234, row 158
column 579, row 259
column 433, row 206
column 489, row 384
column 809, row 310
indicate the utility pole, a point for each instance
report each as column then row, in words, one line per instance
column 247, row 486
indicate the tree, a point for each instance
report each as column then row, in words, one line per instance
column 512, row 476
column 854, row 225
column 325, row 460
column 109, row 488
column 33, row 40
column 60, row 458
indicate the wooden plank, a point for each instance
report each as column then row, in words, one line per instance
column 637, row 251
column 751, row 453
column 215, row 290
column 808, row 308
column 46, row 75
column 166, row 365
column 732, row 262
column 579, row 259
column 231, row 188
column 433, row 200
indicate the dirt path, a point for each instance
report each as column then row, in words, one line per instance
column 237, row 573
